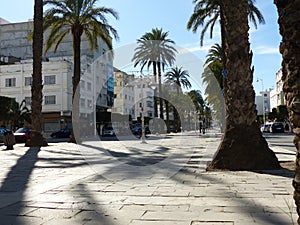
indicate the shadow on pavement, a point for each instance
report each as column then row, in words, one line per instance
column 16, row 183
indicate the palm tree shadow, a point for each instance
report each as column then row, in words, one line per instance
column 15, row 185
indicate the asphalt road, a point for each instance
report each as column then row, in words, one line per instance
column 282, row 140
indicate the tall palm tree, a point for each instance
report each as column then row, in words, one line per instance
column 214, row 79
column 289, row 19
column 242, row 147
column 37, row 139
column 77, row 17
column 156, row 49
column 208, row 12
column 179, row 77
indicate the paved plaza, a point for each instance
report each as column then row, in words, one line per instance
column 163, row 182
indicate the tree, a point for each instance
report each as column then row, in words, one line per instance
column 156, row 49
column 242, row 147
column 213, row 77
column 19, row 113
column 77, row 17
column 289, row 18
column 179, row 78
column 36, row 138
column 208, row 12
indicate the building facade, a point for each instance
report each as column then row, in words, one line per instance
column 96, row 85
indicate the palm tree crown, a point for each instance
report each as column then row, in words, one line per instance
column 154, row 48
column 179, row 77
column 78, row 17
column 208, row 12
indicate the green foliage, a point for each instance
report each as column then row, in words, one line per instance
column 178, row 77
column 282, row 112
column 65, row 17
column 14, row 113
column 208, row 12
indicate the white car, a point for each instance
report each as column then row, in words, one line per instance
column 266, row 128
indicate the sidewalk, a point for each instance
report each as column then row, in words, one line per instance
column 163, row 182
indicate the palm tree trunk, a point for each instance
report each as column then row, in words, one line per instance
column 161, row 111
column 242, row 147
column 155, row 91
column 76, row 87
column 289, row 20
column 37, row 139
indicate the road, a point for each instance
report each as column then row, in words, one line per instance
column 282, row 140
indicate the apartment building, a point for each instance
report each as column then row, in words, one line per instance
column 277, row 95
column 96, row 85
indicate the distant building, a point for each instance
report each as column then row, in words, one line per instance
column 124, row 97
column 277, row 95
column 263, row 102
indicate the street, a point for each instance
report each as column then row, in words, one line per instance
column 281, row 140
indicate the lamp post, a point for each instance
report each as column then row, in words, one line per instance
column 263, row 98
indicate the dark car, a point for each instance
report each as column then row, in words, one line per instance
column 63, row 133
column 22, row 135
column 137, row 130
column 277, row 128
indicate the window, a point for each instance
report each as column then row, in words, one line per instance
column 50, row 99
column 10, row 82
column 28, row 81
column 28, row 100
column 82, row 84
column 89, row 86
column 90, row 105
column 82, row 102
column 50, row 79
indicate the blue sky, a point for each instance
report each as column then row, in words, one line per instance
column 140, row 16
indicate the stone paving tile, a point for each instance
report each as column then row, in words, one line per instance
column 63, row 189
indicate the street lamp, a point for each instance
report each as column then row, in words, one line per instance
column 263, row 98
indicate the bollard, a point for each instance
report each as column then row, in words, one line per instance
column 9, row 140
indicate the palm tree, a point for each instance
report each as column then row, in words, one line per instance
column 37, row 139
column 156, row 49
column 77, row 17
column 19, row 113
column 179, row 77
column 242, row 147
column 289, row 48
column 208, row 12
column 214, row 79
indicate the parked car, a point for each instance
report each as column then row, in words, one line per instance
column 108, row 131
column 22, row 135
column 265, row 128
column 277, row 127
column 2, row 131
column 137, row 130
column 63, row 133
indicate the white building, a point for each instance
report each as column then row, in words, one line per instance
column 277, row 95
column 144, row 95
column 96, row 94
column 262, row 102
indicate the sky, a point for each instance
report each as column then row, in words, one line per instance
column 136, row 17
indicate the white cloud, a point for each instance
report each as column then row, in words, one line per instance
column 263, row 50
